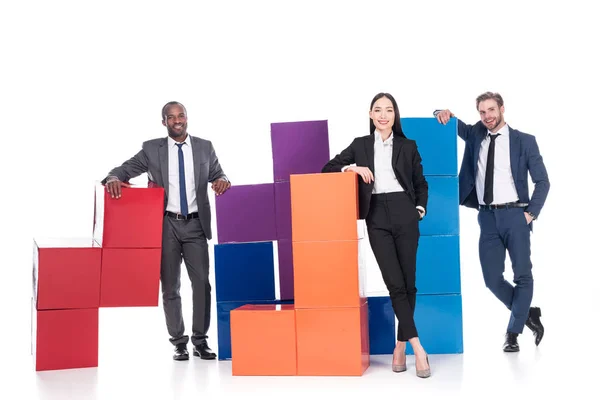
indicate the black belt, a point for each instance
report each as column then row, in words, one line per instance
column 179, row 216
column 503, row 206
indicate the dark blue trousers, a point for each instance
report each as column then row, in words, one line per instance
column 502, row 230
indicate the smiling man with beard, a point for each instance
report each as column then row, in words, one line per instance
column 183, row 165
column 494, row 179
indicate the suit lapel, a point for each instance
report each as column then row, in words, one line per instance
column 163, row 155
column 369, row 148
column 515, row 150
column 477, row 145
column 197, row 161
column 396, row 146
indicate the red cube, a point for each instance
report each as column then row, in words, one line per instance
column 130, row 277
column 66, row 273
column 65, row 339
column 134, row 220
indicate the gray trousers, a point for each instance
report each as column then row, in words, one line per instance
column 185, row 239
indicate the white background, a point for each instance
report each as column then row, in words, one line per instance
column 83, row 83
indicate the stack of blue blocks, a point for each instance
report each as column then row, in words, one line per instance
column 438, row 312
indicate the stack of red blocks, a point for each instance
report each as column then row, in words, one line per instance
column 72, row 278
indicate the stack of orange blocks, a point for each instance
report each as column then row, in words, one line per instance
column 328, row 324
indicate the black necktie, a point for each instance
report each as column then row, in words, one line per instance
column 488, row 193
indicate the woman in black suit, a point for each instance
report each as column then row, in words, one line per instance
column 392, row 200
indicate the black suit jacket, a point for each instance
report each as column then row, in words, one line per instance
column 406, row 162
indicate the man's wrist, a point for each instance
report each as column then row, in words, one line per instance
column 436, row 112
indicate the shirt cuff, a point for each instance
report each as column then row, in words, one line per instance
column 345, row 168
column 421, row 209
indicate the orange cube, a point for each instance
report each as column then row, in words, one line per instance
column 329, row 274
column 324, row 206
column 333, row 341
column 263, row 340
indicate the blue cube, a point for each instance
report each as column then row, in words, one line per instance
column 442, row 207
column 437, row 144
column 382, row 322
column 439, row 324
column 244, row 271
column 438, row 265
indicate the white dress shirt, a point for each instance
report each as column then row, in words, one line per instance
column 173, row 203
column 385, row 178
column 504, row 184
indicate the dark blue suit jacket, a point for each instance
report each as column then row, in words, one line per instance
column 525, row 158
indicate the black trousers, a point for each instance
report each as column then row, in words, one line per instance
column 393, row 228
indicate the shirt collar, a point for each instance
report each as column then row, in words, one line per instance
column 173, row 142
column 502, row 131
column 379, row 139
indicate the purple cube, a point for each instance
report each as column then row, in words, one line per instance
column 246, row 213
column 283, row 210
column 286, row 269
column 299, row 148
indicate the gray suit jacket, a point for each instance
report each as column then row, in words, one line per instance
column 153, row 159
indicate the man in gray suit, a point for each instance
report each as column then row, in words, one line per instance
column 183, row 165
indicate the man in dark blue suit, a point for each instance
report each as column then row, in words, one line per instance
column 494, row 179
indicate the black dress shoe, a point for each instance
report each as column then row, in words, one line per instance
column 204, row 352
column 535, row 324
column 511, row 344
column 181, row 353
